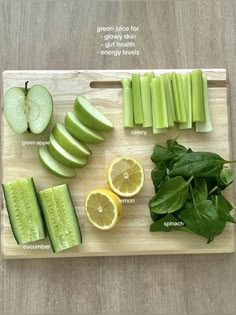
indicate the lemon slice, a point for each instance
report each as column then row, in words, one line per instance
column 103, row 208
column 125, row 176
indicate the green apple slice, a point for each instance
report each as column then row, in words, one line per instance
column 90, row 115
column 80, row 131
column 61, row 155
column 28, row 109
column 53, row 166
column 68, row 142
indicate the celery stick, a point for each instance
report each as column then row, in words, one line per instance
column 170, row 115
column 154, row 108
column 187, row 89
column 160, row 119
column 197, row 93
column 146, row 101
column 179, row 98
column 169, row 90
column 159, row 130
column 126, row 83
column 137, row 99
column 163, row 121
column 205, row 126
column 154, row 95
column 128, row 113
column 150, row 75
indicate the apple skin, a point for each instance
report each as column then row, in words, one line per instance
column 90, row 116
column 64, row 157
column 81, row 132
column 53, row 166
column 69, row 143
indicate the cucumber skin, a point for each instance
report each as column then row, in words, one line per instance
column 10, row 218
column 77, row 221
column 81, row 239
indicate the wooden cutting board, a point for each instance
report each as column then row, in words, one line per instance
column 131, row 236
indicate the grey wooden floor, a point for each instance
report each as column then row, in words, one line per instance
column 173, row 34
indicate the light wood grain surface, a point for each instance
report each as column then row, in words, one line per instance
column 131, row 236
column 173, row 34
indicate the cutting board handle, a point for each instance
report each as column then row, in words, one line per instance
column 117, row 84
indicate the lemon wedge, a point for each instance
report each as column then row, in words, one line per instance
column 125, row 176
column 103, row 208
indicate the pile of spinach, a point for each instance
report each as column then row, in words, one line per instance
column 188, row 191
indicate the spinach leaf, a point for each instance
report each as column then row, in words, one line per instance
column 176, row 148
column 161, row 154
column 203, row 219
column 184, row 229
column 200, row 189
column 158, row 176
column 231, row 219
column 202, row 208
column 226, row 177
column 198, row 164
column 223, row 207
column 220, row 182
column 167, row 224
column 171, row 196
column 156, row 216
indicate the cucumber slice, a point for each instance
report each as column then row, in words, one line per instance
column 80, row 131
column 53, row 166
column 68, row 142
column 61, row 155
column 60, row 217
column 90, row 115
column 24, row 211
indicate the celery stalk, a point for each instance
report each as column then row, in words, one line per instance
column 137, row 99
column 159, row 130
column 198, row 99
column 160, row 119
column 169, row 108
column 154, row 95
column 179, row 98
column 183, row 113
column 128, row 113
column 205, row 126
column 187, row 89
column 154, row 110
column 169, row 91
column 146, row 101
column 150, row 75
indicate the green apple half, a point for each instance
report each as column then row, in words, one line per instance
column 28, row 109
column 90, row 116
